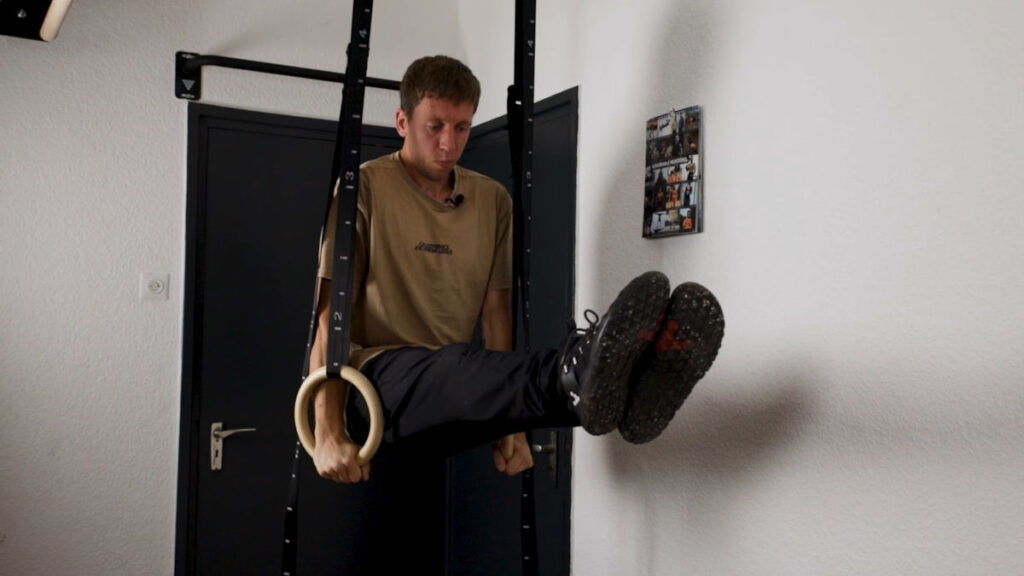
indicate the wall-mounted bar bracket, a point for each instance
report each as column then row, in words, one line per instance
column 188, row 81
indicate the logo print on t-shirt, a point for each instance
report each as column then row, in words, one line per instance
column 435, row 248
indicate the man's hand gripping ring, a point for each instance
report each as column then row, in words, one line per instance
column 308, row 390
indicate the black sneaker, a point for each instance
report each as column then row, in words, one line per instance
column 686, row 346
column 596, row 362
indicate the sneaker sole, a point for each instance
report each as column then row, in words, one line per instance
column 631, row 325
column 687, row 346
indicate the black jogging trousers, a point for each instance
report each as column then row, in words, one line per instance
column 461, row 395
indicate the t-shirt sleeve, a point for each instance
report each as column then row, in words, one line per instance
column 501, row 269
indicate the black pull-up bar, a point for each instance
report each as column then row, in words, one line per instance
column 188, row 73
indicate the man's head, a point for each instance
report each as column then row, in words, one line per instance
column 439, row 96
column 439, row 77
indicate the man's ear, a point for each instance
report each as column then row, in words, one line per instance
column 401, row 123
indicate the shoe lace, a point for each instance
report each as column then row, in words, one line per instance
column 578, row 339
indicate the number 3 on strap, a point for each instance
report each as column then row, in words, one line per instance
column 356, row 378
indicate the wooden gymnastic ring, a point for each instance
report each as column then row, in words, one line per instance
column 508, row 446
column 356, row 378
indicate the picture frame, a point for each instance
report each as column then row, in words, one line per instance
column 674, row 178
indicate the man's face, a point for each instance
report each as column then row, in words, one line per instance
column 435, row 136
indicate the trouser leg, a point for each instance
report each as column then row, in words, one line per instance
column 466, row 395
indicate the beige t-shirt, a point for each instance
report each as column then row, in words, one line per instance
column 422, row 267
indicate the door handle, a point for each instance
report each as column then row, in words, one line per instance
column 217, row 436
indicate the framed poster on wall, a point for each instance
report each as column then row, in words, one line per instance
column 673, row 185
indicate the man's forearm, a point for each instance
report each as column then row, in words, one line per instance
column 498, row 335
column 329, row 409
column 496, row 322
column 330, row 399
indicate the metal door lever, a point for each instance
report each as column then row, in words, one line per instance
column 550, row 448
column 547, row 448
column 217, row 436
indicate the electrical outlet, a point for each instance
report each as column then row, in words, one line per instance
column 154, row 286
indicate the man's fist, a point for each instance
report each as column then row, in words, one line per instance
column 338, row 459
column 521, row 459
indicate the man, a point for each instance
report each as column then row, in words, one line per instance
column 433, row 255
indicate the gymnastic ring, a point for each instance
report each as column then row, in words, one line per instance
column 356, row 378
column 507, row 446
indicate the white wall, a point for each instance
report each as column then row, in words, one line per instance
column 863, row 189
column 864, row 182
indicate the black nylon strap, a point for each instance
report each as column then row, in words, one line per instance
column 291, row 519
column 520, row 119
column 344, row 175
column 520, row 122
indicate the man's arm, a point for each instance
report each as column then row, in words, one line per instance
column 496, row 320
column 496, row 324
column 336, row 456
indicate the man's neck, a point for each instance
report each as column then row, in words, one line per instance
column 438, row 190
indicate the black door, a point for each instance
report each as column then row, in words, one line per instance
column 256, row 198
